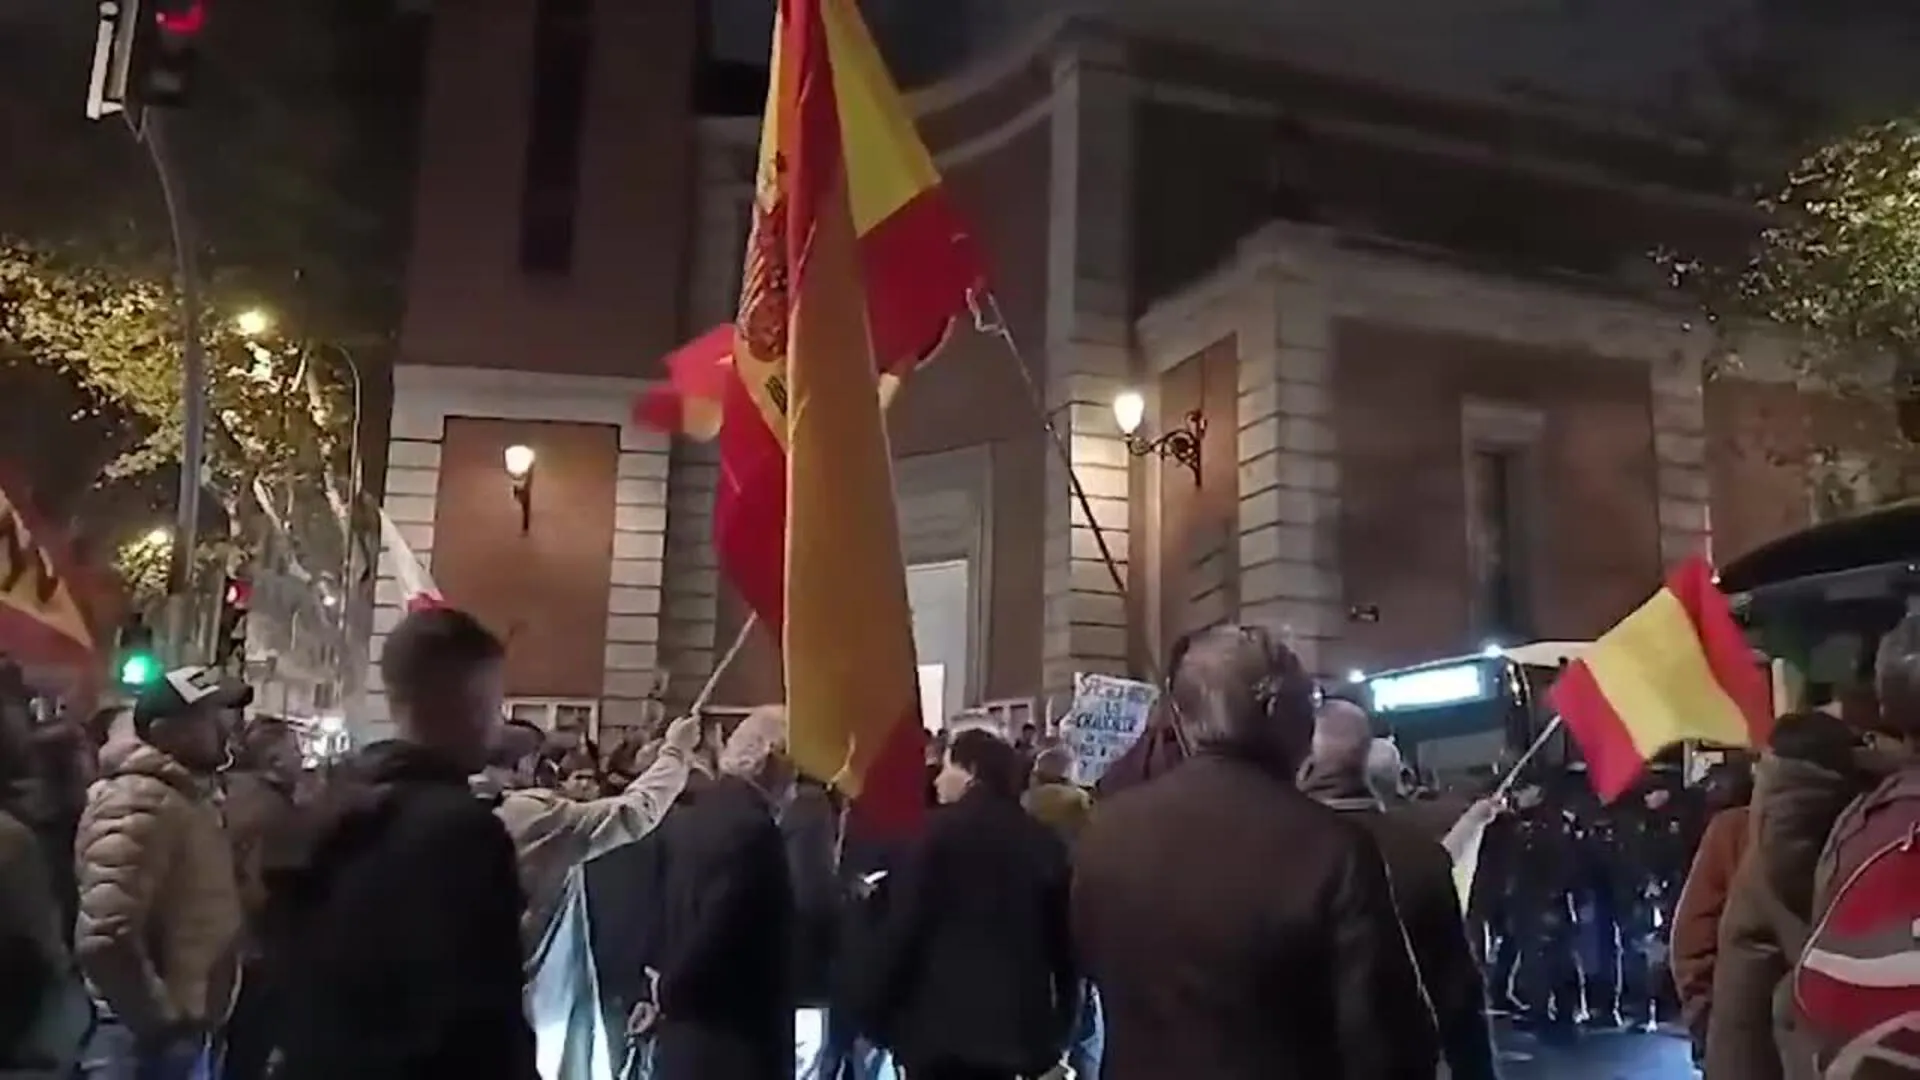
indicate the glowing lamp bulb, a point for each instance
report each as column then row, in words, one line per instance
column 1129, row 409
column 519, row 461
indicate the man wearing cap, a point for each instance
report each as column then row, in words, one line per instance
column 159, row 924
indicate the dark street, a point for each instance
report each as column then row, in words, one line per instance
column 1596, row 1056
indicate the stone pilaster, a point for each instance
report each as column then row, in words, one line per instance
column 1680, row 457
column 1088, row 357
column 692, row 587
column 634, row 600
column 1289, row 479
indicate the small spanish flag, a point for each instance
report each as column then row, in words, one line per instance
column 1676, row 669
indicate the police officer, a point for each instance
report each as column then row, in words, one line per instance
column 1542, row 907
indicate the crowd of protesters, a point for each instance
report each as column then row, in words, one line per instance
column 1241, row 896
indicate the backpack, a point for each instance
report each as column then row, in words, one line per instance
column 1856, row 986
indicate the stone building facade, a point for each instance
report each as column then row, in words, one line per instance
column 1440, row 404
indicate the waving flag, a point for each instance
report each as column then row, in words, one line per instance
column 41, row 618
column 417, row 590
column 855, row 269
column 917, row 260
column 1678, row 668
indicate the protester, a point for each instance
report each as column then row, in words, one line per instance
column 973, row 973
column 810, row 828
column 260, row 810
column 554, row 835
column 398, row 916
column 1341, row 773
column 158, row 933
column 1853, row 986
column 725, row 999
column 1815, row 765
column 1695, row 940
column 626, row 913
column 1053, row 798
column 45, row 1015
column 1234, row 927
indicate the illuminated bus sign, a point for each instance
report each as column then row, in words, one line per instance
column 1430, row 688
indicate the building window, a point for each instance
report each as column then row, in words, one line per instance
column 557, row 714
column 1501, row 455
column 550, row 194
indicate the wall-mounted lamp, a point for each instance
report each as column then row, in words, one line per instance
column 1180, row 446
column 519, row 462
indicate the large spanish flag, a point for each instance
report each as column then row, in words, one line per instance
column 1676, row 669
column 855, row 269
column 918, row 260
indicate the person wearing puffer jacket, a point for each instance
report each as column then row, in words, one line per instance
column 1814, row 766
column 159, row 928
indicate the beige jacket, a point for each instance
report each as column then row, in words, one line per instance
column 553, row 834
column 159, row 926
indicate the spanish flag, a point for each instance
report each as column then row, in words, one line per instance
column 918, row 261
column 1676, row 669
column 855, row 268
column 41, row 616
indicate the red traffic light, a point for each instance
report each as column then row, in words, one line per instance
column 182, row 18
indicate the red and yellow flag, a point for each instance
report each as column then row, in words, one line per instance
column 855, row 269
column 918, row 261
column 41, row 617
column 1678, row 668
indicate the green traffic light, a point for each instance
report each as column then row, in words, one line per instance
column 139, row 669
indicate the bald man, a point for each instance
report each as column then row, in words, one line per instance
column 1423, row 888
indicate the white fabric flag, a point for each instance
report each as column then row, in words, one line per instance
column 417, row 589
column 1463, row 843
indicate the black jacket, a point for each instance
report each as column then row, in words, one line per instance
column 1238, row 930
column 1429, row 905
column 396, row 918
column 726, row 1000
column 973, row 961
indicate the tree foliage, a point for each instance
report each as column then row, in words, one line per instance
column 277, row 427
column 1839, row 258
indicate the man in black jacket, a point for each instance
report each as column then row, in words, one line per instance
column 1423, row 888
column 973, row 973
column 725, row 990
column 1237, row 929
column 398, row 913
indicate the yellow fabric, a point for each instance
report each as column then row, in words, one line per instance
column 1653, row 672
column 849, row 680
column 887, row 165
column 30, row 585
column 884, row 168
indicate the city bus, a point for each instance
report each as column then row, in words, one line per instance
column 1459, row 719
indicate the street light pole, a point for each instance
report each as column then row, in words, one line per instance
column 194, row 388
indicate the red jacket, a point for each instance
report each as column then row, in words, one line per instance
column 1696, row 920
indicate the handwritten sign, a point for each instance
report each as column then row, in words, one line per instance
column 1108, row 716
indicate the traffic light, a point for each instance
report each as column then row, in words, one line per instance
column 166, row 51
column 235, row 601
column 138, row 666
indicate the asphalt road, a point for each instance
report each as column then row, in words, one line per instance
column 1596, row 1055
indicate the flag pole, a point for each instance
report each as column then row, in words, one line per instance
column 726, row 661
column 1513, row 774
column 988, row 320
